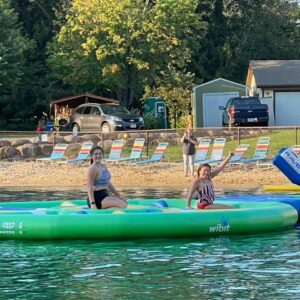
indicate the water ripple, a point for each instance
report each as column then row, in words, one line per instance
column 238, row 267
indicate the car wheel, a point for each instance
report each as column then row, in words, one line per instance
column 75, row 129
column 105, row 128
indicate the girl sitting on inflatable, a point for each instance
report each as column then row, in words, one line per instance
column 204, row 187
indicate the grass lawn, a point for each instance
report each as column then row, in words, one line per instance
column 279, row 139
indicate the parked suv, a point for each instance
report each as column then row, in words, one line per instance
column 104, row 117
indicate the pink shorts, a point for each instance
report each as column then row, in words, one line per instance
column 202, row 205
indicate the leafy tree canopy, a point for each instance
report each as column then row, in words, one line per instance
column 13, row 47
column 123, row 45
column 242, row 30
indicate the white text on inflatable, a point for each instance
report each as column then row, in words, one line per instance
column 292, row 159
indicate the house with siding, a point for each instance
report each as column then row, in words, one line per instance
column 277, row 83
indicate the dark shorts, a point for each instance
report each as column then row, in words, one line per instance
column 202, row 205
column 99, row 196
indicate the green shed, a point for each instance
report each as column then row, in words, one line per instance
column 207, row 98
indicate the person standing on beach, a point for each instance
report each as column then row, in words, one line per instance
column 189, row 150
column 99, row 185
column 204, row 187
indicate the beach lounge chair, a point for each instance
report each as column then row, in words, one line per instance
column 296, row 148
column 269, row 163
column 260, row 153
column 202, row 149
column 135, row 154
column 57, row 153
column 116, row 149
column 217, row 152
column 156, row 157
column 83, row 154
column 238, row 154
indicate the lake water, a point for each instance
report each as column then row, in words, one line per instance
column 239, row 267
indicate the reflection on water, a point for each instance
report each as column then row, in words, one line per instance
column 238, row 267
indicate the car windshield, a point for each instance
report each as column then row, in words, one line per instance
column 114, row 110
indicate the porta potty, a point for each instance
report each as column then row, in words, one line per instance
column 157, row 108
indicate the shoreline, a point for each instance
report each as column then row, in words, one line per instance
column 163, row 175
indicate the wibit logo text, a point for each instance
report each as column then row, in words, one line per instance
column 223, row 226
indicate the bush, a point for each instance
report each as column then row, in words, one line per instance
column 151, row 122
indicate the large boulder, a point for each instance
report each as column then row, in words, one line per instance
column 4, row 143
column 35, row 140
column 59, row 140
column 41, row 138
column 19, row 142
column 28, row 150
column 56, row 139
column 9, row 152
column 44, row 150
column 95, row 138
column 73, row 139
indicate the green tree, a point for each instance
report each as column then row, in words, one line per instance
column 209, row 57
column 239, row 31
column 264, row 29
column 37, row 18
column 14, row 48
column 177, row 86
column 121, row 46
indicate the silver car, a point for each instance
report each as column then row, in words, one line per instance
column 94, row 117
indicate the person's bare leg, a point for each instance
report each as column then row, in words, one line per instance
column 113, row 202
column 218, row 206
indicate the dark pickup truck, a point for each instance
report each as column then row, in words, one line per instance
column 247, row 111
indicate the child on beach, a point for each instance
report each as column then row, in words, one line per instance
column 40, row 127
column 204, row 187
column 98, row 182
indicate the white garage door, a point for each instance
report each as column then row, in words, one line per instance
column 287, row 108
column 212, row 116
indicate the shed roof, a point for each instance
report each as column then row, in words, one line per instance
column 274, row 73
column 76, row 100
column 220, row 79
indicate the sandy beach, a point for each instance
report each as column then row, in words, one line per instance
column 33, row 174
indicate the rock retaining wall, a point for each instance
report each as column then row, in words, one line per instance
column 29, row 149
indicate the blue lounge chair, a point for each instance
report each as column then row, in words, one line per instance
column 261, row 152
column 83, row 154
column 156, row 157
column 238, row 154
column 135, row 154
column 296, row 148
column 202, row 149
column 217, row 151
column 57, row 153
column 116, row 149
column 269, row 163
